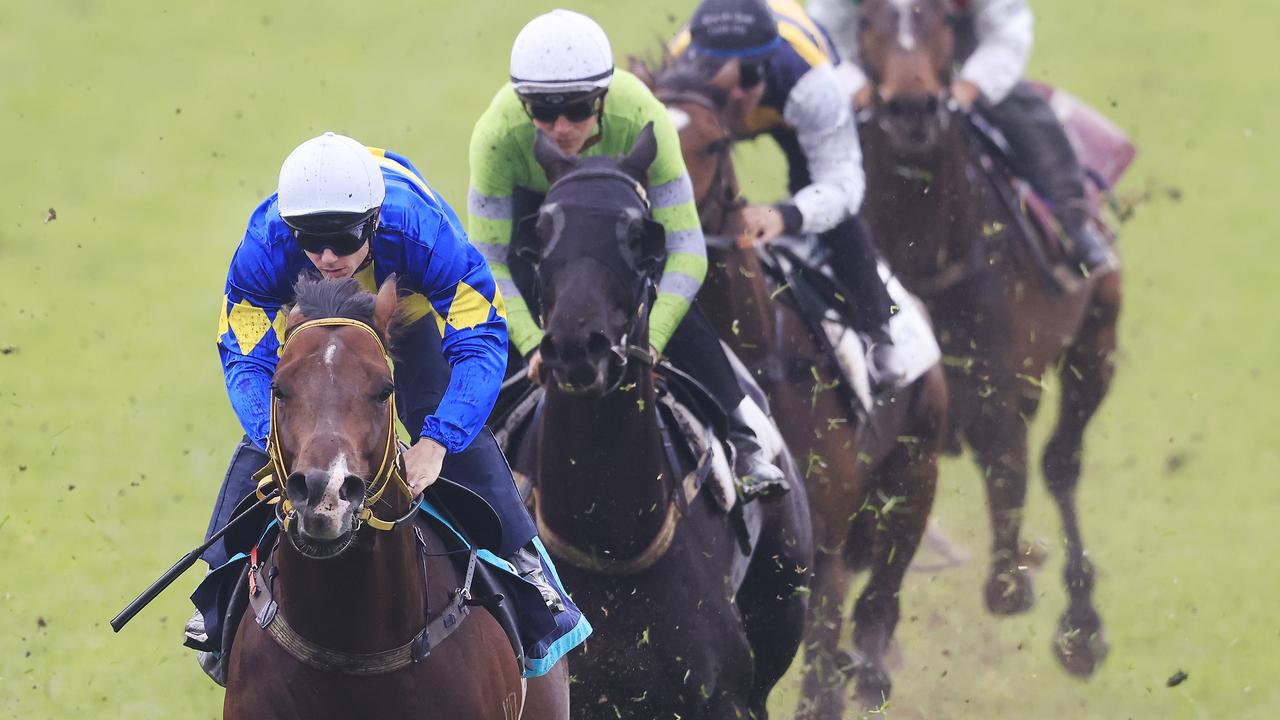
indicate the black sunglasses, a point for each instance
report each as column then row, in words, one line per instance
column 750, row 75
column 343, row 242
column 572, row 111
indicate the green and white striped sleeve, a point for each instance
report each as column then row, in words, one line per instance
column 489, row 208
column 671, row 195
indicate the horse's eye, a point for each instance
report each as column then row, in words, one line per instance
column 385, row 394
column 276, row 392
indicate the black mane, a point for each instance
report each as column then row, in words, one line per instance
column 342, row 298
column 683, row 73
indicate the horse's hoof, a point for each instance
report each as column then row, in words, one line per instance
column 874, row 687
column 1081, row 646
column 1009, row 592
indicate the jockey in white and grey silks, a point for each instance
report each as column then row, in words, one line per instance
column 993, row 45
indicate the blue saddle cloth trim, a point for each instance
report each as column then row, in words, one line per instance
column 546, row 637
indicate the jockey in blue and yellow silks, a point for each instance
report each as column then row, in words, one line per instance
column 345, row 210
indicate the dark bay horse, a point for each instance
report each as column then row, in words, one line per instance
column 1000, row 322
column 688, row 625
column 354, row 580
column 870, row 479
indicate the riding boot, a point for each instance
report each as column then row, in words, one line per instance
column 528, row 565
column 196, row 637
column 886, row 373
column 1089, row 252
column 1043, row 154
column 757, row 476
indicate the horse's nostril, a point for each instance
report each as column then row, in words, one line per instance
column 548, row 347
column 598, row 344
column 295, row 488
column 352, row 489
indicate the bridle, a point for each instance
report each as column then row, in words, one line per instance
column 721, row 196
column 390, row 471
column 623, row 351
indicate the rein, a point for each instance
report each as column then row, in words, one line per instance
column 389, row 471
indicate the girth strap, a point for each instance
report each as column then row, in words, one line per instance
column 267, row 614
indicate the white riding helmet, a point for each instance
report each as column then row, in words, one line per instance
column 561, row 52
column 330, row 174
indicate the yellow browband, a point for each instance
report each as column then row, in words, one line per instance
column 389, row 470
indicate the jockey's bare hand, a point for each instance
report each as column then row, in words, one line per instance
column 534, row 369
column 862, row 98
column 761, row 223
column 965, row 94
column 422, row 464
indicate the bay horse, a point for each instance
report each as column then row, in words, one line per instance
column 1001, row 323
column 687, row 624
column 363, row 615
column 870, row 479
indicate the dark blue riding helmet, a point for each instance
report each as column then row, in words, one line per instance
column 742, row 29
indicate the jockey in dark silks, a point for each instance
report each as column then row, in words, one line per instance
column 993, row 44
column 345, row 210
column 787, row 88
column 563, row 82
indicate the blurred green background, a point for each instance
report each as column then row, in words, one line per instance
column 154, row 128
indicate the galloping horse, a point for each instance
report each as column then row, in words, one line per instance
column 1001, row 322
column 688, row 625
column 349, row 615
column 871, row 481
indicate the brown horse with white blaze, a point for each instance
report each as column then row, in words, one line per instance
column 357, row 612
column 870, row 479
column 1001, row 321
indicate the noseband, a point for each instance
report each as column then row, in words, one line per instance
column 390, row 471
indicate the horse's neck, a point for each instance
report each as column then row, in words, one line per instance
column 601, row 465
column 736, row 298
column 923, row 212
column 363, row 601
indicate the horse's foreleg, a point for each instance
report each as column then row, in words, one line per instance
column 1087, row 370
column 827, row 670
column 998, row 437
column 902, row 499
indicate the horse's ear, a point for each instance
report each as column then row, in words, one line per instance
column 555, row 163
column 640, row 70
column 295, row 319
column 726, row 78
column 384, row 306
column 642, row 155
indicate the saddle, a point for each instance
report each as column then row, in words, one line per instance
column 692, row 425
column 800, row 266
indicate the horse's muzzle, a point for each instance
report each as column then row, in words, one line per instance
column 325, row 505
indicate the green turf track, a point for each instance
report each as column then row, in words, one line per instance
column 154, row 128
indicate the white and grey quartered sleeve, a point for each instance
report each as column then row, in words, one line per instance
column 840, row 18
column 1005, row 35
column 823, row 119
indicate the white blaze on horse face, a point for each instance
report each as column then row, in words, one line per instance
column 329, row 352
column 330, row 517
column 906, row 11
column 679, row 118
